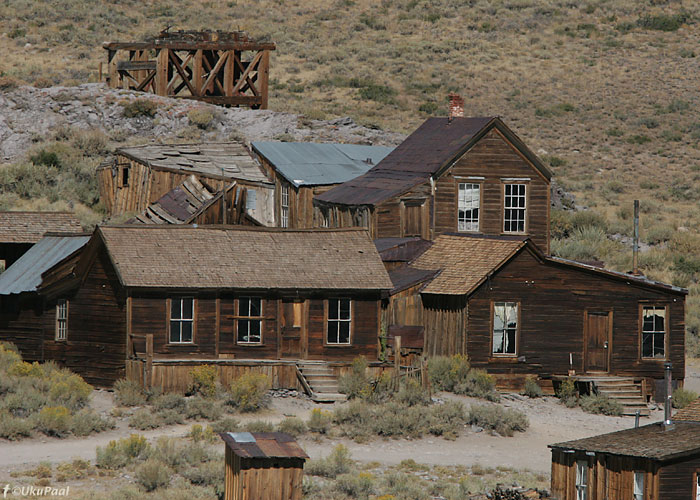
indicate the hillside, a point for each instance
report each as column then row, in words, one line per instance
column 604, row 90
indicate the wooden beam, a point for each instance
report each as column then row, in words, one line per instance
column 185, row 77
column 214, row 72
column 149, row 361
column 161, row 78
column 264, row 77
column 244, row 76
column 197, row 73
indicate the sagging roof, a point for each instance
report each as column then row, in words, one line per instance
column 405, row 277
column 228, row 160
column 690, row 413
column 235, row 257
column 263, row 445
column 430, row 149
column 29, row 227
column 401, row 249
column 649, row 441
column 179, row 205
column 25, row 274
column 465, row 260
column 307, row 163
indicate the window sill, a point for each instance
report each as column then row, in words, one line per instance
column 337, row 345
column 250, row 344
column 656, row 360
column 503, row 358
column 175, row 344
column 514, row 233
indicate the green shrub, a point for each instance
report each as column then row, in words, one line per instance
column 503, row 421
column 199, row 407
column 663, row 22
column 171, row 417
column 69, row 390
column 88, row 422
column 139, row 107
column 446, row 420
column 118, row 454
column 336, row 463
column 446, row 372
column 227, row 424
column 170, row 401
column 376, row 92
column 53, row 421
column 198, row 433
column 249, row 390
column 429, row 108
column 478, row 384
column 359, row 486
column 201, row 118
column 320, row 421
column 129, row 393
column 203, row 380
column 567, row 392
column 411, row 393
column 532, row 389
column 293, row 426
column 46, row 158
column 259, row 426
column 356, row 383
column 683, row 397
column 9, row 355
column 600, row 403
column 14, row 428
column 560, row 225
column 207, row 474
column 153, row 474
column 144, row 420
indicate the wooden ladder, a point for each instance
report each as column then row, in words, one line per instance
column 319, row 381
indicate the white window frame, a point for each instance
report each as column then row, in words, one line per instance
column 246, row 318
column 62, row 319
column 581, row 480
column 638, row 486
column 284, row 205
column 503, row 332
column 181, row 320
column 654, row 332
column 696, row 480
column 512, row 212
column 334, row 324
column 468, row 223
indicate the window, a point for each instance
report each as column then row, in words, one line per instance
column 697, row 485
column 62, row 319
column 339, row 321
column 181, row 320
column 581, row 481
column 249, row 320
column 638, row 486
column 468, row 207
column 653, row 332
column 505, row 327
column 284, row 207
column 324, row 217
column 125, row 176
column 514, row 208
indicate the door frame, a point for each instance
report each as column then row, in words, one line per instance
column 303, row 327
column 586, row 313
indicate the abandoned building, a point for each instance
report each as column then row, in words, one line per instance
column 226, row 68
column 19, row 231
column 140, row 175
column 301, row 170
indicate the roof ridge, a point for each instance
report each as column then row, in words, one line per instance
column 233, row 227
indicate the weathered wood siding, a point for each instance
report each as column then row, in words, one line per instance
column 263, row 478
column 24, row 322
column 553, row 300
column 494, row 159
column 676, row 479
column 445, row 320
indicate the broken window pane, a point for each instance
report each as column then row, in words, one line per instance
column 468, row 207
column 653, row 332
column 505, row 327
column 249, row 330
column 339, row 321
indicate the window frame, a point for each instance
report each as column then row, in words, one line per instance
column 525, row 196
column 635, row 494
column 284, row 205
column 696, row 484
column 655, row 305
column 479, row 186
column 351, row 310
column 61, row 334
column 581, row 480
column 193, row 320
column 240, row 317
column 493, row 325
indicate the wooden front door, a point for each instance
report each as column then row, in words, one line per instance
column 597, row 330
column 413, row 218
column 292, row 329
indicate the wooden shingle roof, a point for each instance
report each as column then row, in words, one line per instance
column 177, row 206
column 690, row 413
column 649, row 441
column 263, row 445
column 29, row 227
column 466, row 261
column 235, row 257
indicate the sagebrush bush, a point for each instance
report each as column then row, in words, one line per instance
column 478, row 384
column 293, row 426
column 600, row 403
column 170, row 401
column 227, row 424
column 204, row 379
column 504, row 421
column 53, row 421
column 201, row 118
column 14, row 428
column 87, row 422
column 198, row 433
column 139, row 107
column 446, row 372
column 319, row 421
column 247, row 392
column 567, row 392
column 336, row 463
column 411, row 393
column 259, row 426
column 531, row 388
column 145, row 420
column 355, row 384
column 153, row 474
column 359, row 486
column 129, row 393
column 203, row 408
column 118, row 454
column 683, row 397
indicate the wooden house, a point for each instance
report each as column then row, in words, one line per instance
column 263, row 466
column 139, row 176
column 20, row 230
column 518, row 312
column 153, row 301
column 302, row 170
column 469, row 175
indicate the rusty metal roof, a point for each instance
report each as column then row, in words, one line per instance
column 229, row 160
column 434, row 146
column 25, row 274
column 178, row 205
column 263, row 445
column 29, row 227
column 650, row 441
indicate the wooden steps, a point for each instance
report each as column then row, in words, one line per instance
column 319, row 381
column 625, row 391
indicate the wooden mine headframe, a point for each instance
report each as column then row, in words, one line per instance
column 217, row 67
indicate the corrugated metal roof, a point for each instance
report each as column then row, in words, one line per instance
column 263, row 445
column 306, row 163
column 25, row 274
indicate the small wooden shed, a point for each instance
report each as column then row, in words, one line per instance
column 263, row 466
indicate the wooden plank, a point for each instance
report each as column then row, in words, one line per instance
column 161, row 78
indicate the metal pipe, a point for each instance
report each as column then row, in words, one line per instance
column 635, row 250
column 668, row 423
column 636, row 419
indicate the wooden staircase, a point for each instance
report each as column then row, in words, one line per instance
column 319, row 381
column 625, row 391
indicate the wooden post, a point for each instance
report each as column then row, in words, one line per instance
column 129, row 340
column 149, row 361
column 228, row 74
column 198, row 72
column 161, row 78
column 264, row 77
column 112, row 68
column 425, row 378
column 99, row 72
column 397, row 361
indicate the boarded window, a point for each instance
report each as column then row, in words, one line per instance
column 653, row 332
column 249, row 320
column 181, row 320
column 514, row 208
column 505, row 327
column 638, row 486
column 468, row 207
column 284, row 206
column 581, row 481
column 250, row 199
column 62, row 319
column 339, row 321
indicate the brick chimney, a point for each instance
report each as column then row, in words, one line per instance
column 456, row 106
